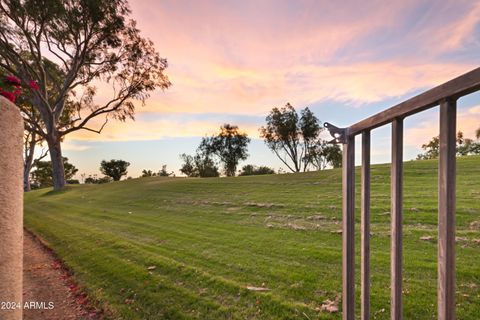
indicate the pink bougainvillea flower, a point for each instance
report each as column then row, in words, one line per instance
column 33, row 85
column 10, row 96
column 13, row 80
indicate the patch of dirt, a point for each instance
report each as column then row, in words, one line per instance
column 299, row 223
column 263, row 205
column 427, row 238
column 475, row 225
column 45, row 280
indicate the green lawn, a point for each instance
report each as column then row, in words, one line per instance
column 211, row 238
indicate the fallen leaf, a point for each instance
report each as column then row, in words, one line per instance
column 56, row 265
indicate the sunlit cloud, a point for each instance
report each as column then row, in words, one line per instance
column 232, row 61
column 156, row 130
column 256, row 92
column 247, row 57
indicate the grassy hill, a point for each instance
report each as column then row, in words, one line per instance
column 211, row 238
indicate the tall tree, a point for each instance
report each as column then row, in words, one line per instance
column 229, row 145
column 310, row 133
column 292, row 138
column 92, row 41
column 188, row 167
column 32, row 120
column 164, row 173
column 114, row 169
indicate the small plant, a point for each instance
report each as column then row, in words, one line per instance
column 251, row 170
column 11, row 87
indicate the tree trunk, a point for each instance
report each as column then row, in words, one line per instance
column 28, row 161
column 58, row 170
column 26, row 177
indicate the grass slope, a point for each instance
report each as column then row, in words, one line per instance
column 210, row 238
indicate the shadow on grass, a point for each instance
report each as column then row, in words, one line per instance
column 53, row 192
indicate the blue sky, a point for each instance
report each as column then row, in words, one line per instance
column 231, row 62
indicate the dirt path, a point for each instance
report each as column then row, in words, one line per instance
column 45, row 281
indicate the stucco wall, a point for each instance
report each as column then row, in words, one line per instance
column 11, row 207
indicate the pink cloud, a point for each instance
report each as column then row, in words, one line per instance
column 246, row 57
column 454, row 33
column 155, row 130
column 244, row 91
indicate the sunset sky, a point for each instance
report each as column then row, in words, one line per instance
column 232, row 61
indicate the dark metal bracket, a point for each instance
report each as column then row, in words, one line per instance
column 339, row 134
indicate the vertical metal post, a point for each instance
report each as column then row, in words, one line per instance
column 365, row 227
column 446, row 210
column 396, row 219
column 348, row 234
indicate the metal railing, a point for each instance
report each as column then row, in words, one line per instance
column 445, row 95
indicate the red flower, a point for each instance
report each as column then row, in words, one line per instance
column 12, row 80
column 10, row 96
column 33, row 85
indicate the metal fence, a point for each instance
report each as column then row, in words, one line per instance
column 445, row 95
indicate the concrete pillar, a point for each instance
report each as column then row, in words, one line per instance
column 11, row 209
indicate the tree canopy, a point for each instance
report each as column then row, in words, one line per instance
column 96, row 180
column 148, row 173
column 89, row 42
column 324, row 154
column 464, row 146
column 114, row 169
column 252, row 170
column 199, row 165
column 229, row 145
